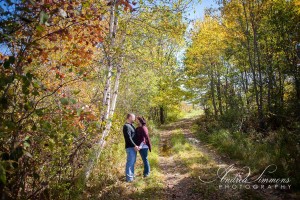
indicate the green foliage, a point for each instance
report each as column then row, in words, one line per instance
column 2, row 174
column 153, row 70
column 240, row 64
column 257, row 152
column 231, row 119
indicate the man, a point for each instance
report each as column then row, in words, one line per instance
column 130, row 146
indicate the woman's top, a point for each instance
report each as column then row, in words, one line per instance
column 142, row 137
column 143, row 146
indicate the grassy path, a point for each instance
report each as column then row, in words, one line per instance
column 177, row 161
column 182, row 163
column 183, row 159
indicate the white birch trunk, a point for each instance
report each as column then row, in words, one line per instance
column 100, row 144
column 106, row 96
column 109, row 96
column 115, row 92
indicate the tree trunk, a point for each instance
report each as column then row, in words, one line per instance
column 108, row 101
column 252, row 63
column 256, row 52
column 245, row 86
column 161, row 114
column 115, row 92
column 219, row 93
column 297, row 84
column 212, row 90
column 227, row 103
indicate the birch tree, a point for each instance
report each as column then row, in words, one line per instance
column 114, row 62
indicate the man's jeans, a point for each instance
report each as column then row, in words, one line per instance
column 131, row 158
column 144, row 155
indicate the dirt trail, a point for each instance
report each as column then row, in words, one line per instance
column 180, row 184
column 178, row 171
column 178, row 180
column 177, row 177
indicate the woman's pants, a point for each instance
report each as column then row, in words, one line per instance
column 144, row 155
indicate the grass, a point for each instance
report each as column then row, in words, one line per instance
column 152, row 186
column 198, row 166
column 184, row 151
column 193, row 113
column 254, row 150
column 108, row 181
column 239, row 147
column 202, row 166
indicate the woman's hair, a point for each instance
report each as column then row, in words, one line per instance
column 142, row 120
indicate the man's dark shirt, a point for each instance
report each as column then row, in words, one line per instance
column 129, row 135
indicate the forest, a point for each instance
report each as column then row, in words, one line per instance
column 71, row 70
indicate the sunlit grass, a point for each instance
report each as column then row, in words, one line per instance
column 239, row 146
column 200, row 168
column 196, row 163
column 188, row 153
column 193, row 113
column 253, row 149
column 152, row 186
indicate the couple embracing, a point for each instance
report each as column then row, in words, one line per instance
column 136, row 140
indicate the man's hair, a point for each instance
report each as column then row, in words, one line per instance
column 129, row 115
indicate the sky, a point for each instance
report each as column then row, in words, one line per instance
column 200, row 8
column 197, row 13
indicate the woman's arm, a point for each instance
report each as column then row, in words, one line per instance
column 142, row 135
column 146, row 137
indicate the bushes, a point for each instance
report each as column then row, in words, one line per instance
column 231, row 119
column 258, row 151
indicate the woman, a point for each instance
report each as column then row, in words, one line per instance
column 144, row 143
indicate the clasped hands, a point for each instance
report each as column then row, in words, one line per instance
column 137, row 148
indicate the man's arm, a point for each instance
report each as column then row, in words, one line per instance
column 136, row 148
column 127, row 130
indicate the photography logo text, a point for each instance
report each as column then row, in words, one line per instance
column 230, row 178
